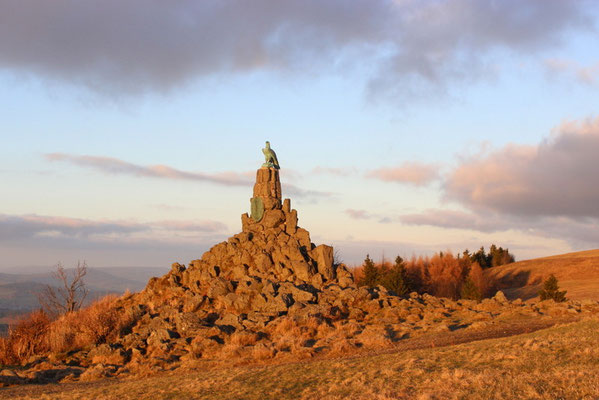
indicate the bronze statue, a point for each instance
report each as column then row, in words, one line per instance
column 270, row 157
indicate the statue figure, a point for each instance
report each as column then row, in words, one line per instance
column 270, row 157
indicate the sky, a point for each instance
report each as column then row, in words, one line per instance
column 131, row 130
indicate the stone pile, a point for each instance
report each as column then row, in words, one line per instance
column 269, row 292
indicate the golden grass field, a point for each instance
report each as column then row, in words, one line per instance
column 560, row 362
column 578, row 273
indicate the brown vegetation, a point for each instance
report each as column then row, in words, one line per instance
column 559, row 362
column 36, row 334
column 442, row 275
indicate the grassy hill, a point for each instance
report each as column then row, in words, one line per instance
column 559, row 362
column 578, row 273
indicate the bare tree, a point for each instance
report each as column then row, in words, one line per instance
column 70, row 293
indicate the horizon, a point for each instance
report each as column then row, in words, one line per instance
column 132, row 139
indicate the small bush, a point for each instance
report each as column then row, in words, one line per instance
column 551, row 290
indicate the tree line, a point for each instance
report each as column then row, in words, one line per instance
column 443, row 274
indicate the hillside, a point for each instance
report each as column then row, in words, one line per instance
column 266, row 295
column 578, row 273
column 509, row 368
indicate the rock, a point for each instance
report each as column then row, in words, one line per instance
column 275, row 304
column 229, row 319
column 96, row 372
column 500, row 297
column 317, row 280
column 273, row 218
column 159, row 336
column 105, row 354
column 263, row 262
column 302, row 270
column 219, row 287
column 303, row 237
column 291, row 222
column 323, row 255
column 238, row 301
column 187, row 322
column 344, row 277
column 302, row 294
column 9, row 377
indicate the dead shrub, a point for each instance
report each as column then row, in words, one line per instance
column 92, row 325
column 36, row 334
column 26, row 338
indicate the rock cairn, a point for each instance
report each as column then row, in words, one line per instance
column 267, row 292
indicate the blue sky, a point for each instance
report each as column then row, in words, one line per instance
column 131, row 130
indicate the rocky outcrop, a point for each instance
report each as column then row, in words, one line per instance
column 268, row 292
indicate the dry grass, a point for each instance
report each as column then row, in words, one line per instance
column 557, row 363
column 578, row 273
column 36, row 334
column 27, row 337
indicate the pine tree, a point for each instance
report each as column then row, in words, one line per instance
column 551, row 290
column 470, row 291
column 370, row 273
column 395, row 279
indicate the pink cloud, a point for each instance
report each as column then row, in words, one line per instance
column 588, row 74
column 110, row 165
column 115, row 166
column 555, row 178
column 334, row 171
column 358, row 214
column 414, row 173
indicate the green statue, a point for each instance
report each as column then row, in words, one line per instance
column 270, row 157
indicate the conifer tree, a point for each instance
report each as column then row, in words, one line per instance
column 395, row 279
column 551, row 290
column 470, row 291
column 370, row 273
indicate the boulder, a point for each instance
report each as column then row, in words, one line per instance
column 323, row 255
column 302, row 270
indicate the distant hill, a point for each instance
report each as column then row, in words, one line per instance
column 578, row 273
column 19, row 286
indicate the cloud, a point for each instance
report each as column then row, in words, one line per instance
column 580, row 233
column 44, row 240
column 452, row 219
column 119, row 167
column 115, row 166
column 131, row 47
column 313, row 195
column 22, row 227
column 413, row 173
column 334, row 171
column 365, row 215
column 555, row 178
column 588, row 75
column 358, row 214
column 546, row 190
